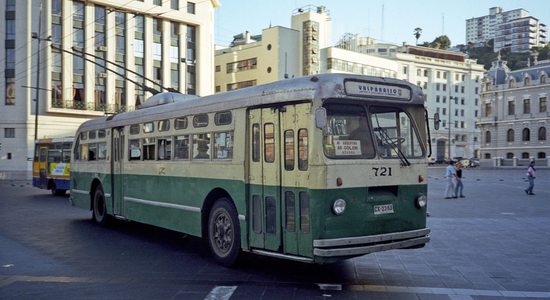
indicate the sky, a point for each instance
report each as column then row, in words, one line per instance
column 386, row 21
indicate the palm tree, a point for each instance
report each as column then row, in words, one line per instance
column 417, row 32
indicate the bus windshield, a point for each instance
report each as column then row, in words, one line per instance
column 351, row 130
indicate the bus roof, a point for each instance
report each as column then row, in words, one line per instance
column 66, row 139
column 321, row 87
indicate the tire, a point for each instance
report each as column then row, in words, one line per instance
column 224, row 233
column 57, row 192
column 99, row 208
column 53, row 189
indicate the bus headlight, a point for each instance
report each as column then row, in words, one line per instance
column 339, row 206
column 421, row 201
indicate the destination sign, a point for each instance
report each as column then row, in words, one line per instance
column 362, row 89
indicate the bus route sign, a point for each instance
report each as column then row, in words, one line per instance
column 362, row 89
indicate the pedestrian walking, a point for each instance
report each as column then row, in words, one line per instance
column 458, row 181
column 450, row 174
column 531, row 178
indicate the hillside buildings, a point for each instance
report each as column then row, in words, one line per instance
column 515, row 30
column 514, row 116
column 91, row 58
column 450, row 80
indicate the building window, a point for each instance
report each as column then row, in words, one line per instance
column 488, row 109
column 78, row 11
column 543, row 79
column 509, row 155
column 10, row 29
column 191, row 8
column 542, row 134
column 56, row 8
column 512, row 83
column 511, row 107
column 526, row 81
column 240, row 85
column 541, row 155
column 542, row 104
column 525, row 155
column 510, row 135
column 10, row 91
column 487, row 136
column 175, row 4
column 526, row 135
column 526, row 106
column 157, row 2
column 9, row 133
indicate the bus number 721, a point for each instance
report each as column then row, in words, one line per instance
column 382, row 171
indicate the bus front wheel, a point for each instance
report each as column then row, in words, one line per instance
column 224, row 234
column 99, row 212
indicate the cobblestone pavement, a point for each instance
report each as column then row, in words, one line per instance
column 495, row 243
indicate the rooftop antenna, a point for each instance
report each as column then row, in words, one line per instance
column 382, row 27
column 442, row 24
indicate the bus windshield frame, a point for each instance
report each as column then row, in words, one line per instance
column 359, row 131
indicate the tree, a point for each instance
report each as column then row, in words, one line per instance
column 441, row 42
column 417, row 33
column 542, row 53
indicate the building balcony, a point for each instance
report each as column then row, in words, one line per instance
column 80, row 106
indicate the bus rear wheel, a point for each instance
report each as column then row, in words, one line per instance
column 99, row 212
column 56, row 192
column 224, row 233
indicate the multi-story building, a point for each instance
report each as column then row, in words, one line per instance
column 66, row 61
column 514, row 30
column 281, row 52
column 515, row 116
column 452, row 86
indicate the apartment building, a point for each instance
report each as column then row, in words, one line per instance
column 67, row 61
column 281, row 52
column 515, row 30
column 452, row 86
column 515, row 116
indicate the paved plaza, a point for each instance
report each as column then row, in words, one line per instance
column 493, row 244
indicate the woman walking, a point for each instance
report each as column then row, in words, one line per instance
column 531, row 178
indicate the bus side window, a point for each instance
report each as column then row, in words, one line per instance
column 148, row 148
column 84, row 151
column 269, row 142
column 165, row 148
column 181, row 147
column 92, row 151
column 134, row 150
column 302, row 149
column 289, row 150
column 201, row 146
column 256, row 142
column 102, row 151
column 223, row 145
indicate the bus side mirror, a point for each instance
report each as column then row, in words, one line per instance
column 436, row 121
column 320, row 118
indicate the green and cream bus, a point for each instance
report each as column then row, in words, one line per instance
column 315, row 169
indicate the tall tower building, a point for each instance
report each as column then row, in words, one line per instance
column 67, row 61
column 515, row 30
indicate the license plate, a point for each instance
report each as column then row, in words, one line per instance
column 383, row 209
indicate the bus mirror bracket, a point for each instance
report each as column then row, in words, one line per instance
column 320, row 117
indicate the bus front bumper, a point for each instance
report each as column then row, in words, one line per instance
column 361, row 245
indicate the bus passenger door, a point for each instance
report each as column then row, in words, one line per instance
column 264, row 195
column 295, row 121
column 43, row 166
column 117, row 155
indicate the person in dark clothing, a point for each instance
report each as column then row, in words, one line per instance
column 459, row 186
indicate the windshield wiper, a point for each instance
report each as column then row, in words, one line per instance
column 388, row 140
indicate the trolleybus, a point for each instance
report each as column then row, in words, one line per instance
column 51, row 164
column 314, row 169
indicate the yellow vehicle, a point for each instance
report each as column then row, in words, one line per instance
column 51, row 164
